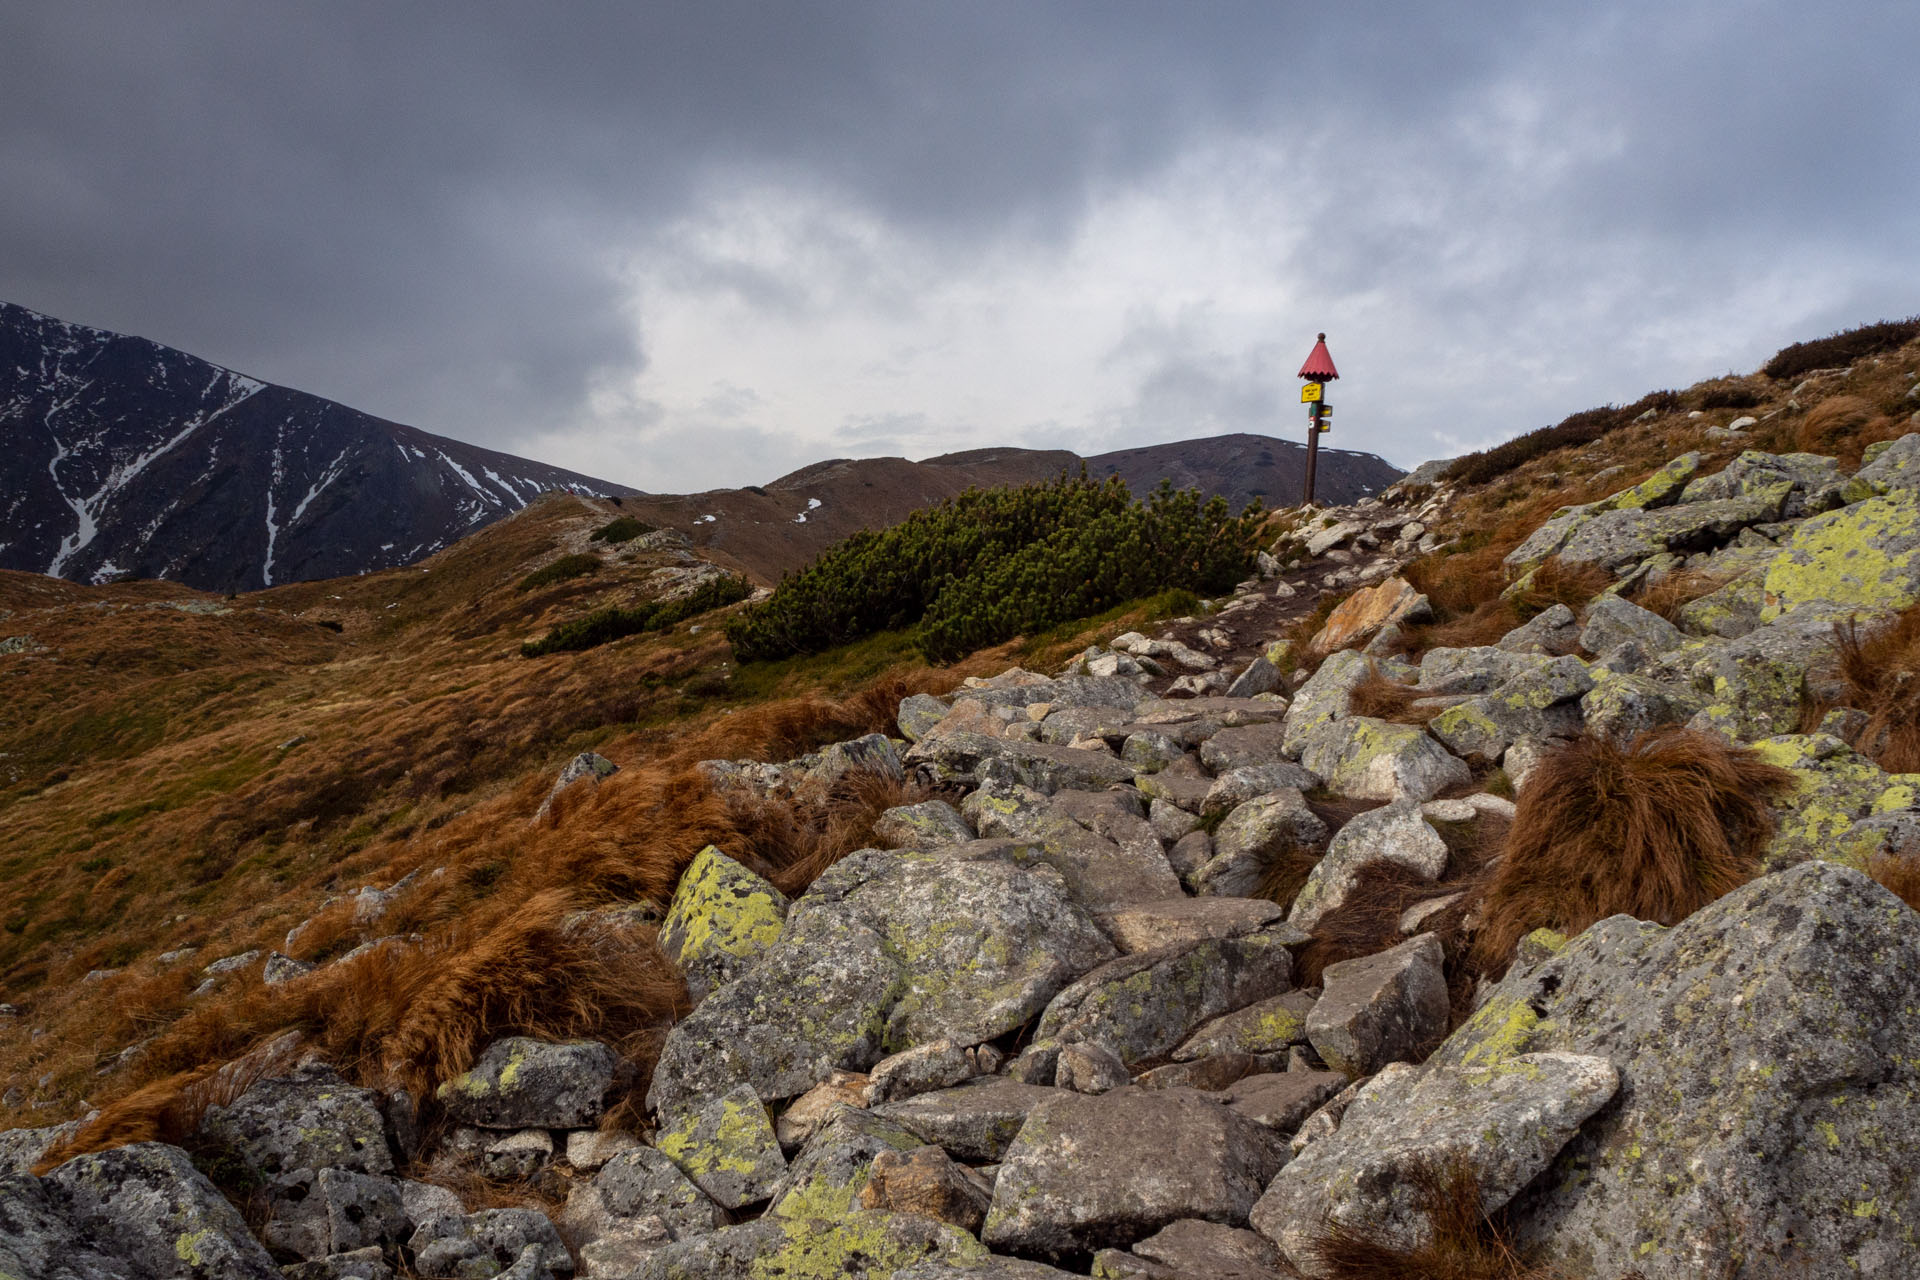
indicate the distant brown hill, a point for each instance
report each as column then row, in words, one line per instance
column 773, row 529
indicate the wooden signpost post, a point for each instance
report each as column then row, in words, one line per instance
column 1318, row 371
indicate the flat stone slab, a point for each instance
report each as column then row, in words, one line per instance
column 1168, row 922
column 975, row 1121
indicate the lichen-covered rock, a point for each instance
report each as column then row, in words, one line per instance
column 807, row 1113
column 1862, row 559
column 919, row 712
column 1101, row 873
column 722, row 920
column 1367, row 759
column 641, row 1183
column 1480, row 669
column 1396, row 833
column 589, row 1150
column 21, row 1149
column 1238, row 785
column 974, row 1121
column 1088, row 1068
column 994, row 1267
column 1265, row 1026
column 146, row 1205
column 1252, row 744
column 826, row 1178
column 1611, row 621
column 1622, row 706
column 523, row 1083
column 1835, row 789
column 1770, row 1085
column 1150, row 751
column 726, row 1147
column 1326, row 697
column 37, row 1241
column 1541, row 703
column 1087, row 1172
column 316, row 1213
column 1170, row 822
column 1380, row 1008
column 1195, row 1247
column 587, row 766
column 868, row 1244
column 1550, row 633
column 1729, row 611
column 310, row 1120
column 1248, row 840
column 1144, row 1005
column 1617, row 540
column 1504, row 1123
column 520, row 1243
column 1145, row 926
column 1813, row 482
column 1896, row 466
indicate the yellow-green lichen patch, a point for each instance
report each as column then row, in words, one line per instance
column 867, row 1243
column 1504, row 1028
column 1834, row 788
column 721, row 912
column 1864, row 557
column 727, row 1147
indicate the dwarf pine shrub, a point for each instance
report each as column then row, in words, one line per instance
column 991, row 564
column 1838, row 350
column 561, row 570
column 605, row 625
column 622, row 529
column 1575, row 429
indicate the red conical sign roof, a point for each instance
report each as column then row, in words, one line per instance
column 1319, row 365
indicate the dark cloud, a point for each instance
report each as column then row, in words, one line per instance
column 437, row 212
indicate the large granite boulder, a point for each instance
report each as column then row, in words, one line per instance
column 1837, row 793
column 1769, row 1095
column 1395, row 833
column 973, row 1121
column 1862, row 559
column 726, row 1147
column 37, row 1242
column 1368, row 759
column 1500, row 1125
column 1089, row 1172
column 1541, row 703
column 147, row 1206
column 1101, row 872
column 1381, row 1008
column 310, row 1120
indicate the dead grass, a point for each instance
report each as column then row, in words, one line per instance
column 1383, row 698
column 1677, row 590
column 1466, row 592
column 1899, row 874
column 1881, row 673
column 1465, row 1243
column 1656, row 829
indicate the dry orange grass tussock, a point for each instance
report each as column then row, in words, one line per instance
column 1842, row 426
column 1655, row 829
column 1881, row 672
column 1675, row 591
column 1899, row 874
column 1384, row 698
column 1463, row 1245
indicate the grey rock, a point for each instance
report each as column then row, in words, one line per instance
column 636, row 1184
column 1238, row 785
column 937, row 1064
column 1100, row 872
column 1145, row 926
column 886, row 950
column 1188, row 854
column 1611, row 621
column 1857, row 560
column 1088, row 1172
column 1381, row 1008
column 1263, row 1027
column 623, row 1250
column 1477, row 670
column 1397, row 833
column 150, row 1208
column 1541, row 704
column 232, row 964
column 311, row 1120
column 1044, row 766
column 1813, row 483
column 994, row 1267
column 1196, row 1247
column 1170, row 822
column 1189, row 985
column 1283, row 1100
column 1552, row 632
column 1616, row 540
column 868, row 1244
column 1072, row 723
column 1251, row 838
column 422, row 1202
column 281, row 968
column 975, row 1121
column 1364, row 758
column 1326, row 697
column 1150, row 751
column 1211, row 1074
column 1260, row 676
column 37, row 1242
column 1252, row 744
column 1895, row 467
column 517, row 1156
column 1504, row 1125
column 826, row 1178
column 478, row 1246
column 369, row 1263
column 1768, row 1078
column 726, row 1146
column 587, row 766
column 918, row 713
column 21, row 1149
column 588, row 1150
column 1089, row 1068
column 521, row 1083
column 316, row 1213
column 1626, row 705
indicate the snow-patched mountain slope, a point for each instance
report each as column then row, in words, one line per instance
column 124, row 458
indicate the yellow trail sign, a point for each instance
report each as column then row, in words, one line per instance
column 1311, row 392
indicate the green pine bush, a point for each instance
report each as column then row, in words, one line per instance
column 605, row 625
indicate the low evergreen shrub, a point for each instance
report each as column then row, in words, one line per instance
column 603, row 626
column 1576, row 429
column 1838, row 350
column 991, row 564
column 622, row 529
column 561, row 570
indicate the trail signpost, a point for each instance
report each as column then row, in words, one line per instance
column 1318, row 371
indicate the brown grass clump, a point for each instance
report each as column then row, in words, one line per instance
column 1881, row 672
column 1677, row 590
column 1383, row 698
column 1465, row 1245
column 1829, row 423
column 1899, row 874
column 1656, row 829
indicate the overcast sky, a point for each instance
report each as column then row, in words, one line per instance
column 695, row 244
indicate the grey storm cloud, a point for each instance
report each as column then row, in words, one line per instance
column 439, row 213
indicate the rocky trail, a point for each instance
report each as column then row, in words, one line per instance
column 1063, row 1023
